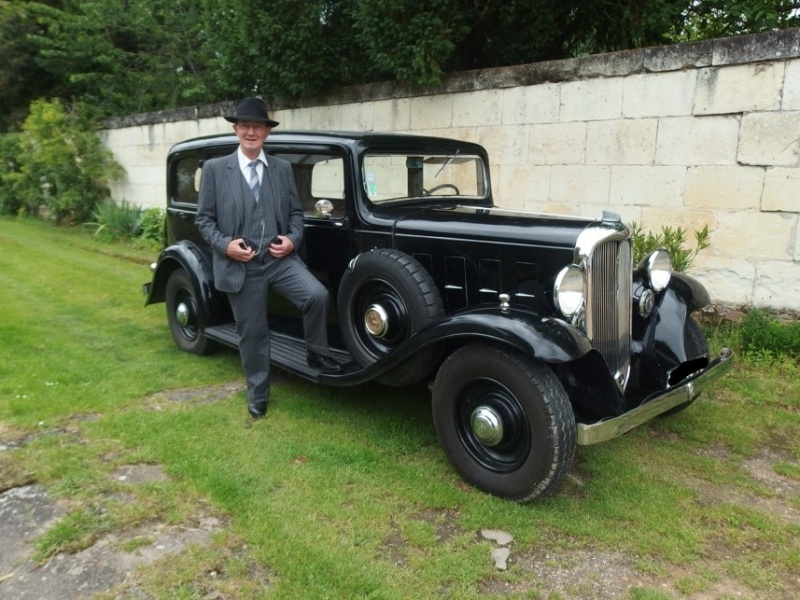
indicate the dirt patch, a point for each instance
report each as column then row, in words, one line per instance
column 26, row 512
column 204, row 395
column 776, row 491
column 578, row 575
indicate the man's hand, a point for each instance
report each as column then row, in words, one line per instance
column 239, row 251
column 282, row 247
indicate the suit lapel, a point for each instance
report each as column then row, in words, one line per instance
column 269, row 193
column 235, row 186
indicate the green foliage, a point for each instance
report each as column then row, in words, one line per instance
column 117, row 220
column 123, row 221
column 417, row 40
column 761, row 334
column 122, row 57
column 672, row 239
column 152, row 224
column 720, row 18
column 64, row 169
column 10, row 202
column 294, row 49
column 22, row 80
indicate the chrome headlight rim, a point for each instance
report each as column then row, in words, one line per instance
column 658, row 269
column 569, row 291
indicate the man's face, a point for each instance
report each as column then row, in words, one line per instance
column 251, row 136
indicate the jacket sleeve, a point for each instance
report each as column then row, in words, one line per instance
column 207, row 219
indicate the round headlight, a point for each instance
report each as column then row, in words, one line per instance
column 659, row 269
column 568, row 291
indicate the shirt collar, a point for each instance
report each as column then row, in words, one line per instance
column 245, row 162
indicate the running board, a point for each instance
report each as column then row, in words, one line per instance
column 289, row 353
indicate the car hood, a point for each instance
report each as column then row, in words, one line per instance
column 481, row 223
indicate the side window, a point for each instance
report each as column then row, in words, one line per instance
column 318, row 177
column 186, row 173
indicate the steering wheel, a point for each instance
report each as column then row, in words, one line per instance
column 444, row 186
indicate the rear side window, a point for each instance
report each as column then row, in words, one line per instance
column 318, row 177
column 185, row 175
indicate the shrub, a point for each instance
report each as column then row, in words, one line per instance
column 762, row 334
column 672, row 239
column 10, row 202
column 63, row 166
column 152, row 223
column 117, row 221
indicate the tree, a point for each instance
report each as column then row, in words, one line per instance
column 285, row 48
column 21, row 78
column 128, row 56
column 723, row 18
column 121, row 56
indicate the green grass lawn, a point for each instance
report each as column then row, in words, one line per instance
column 344, row 493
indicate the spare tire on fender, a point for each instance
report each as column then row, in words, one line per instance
column 386, row 296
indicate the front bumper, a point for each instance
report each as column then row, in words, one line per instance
column 657, row 404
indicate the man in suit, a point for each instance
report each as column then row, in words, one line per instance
column 249, row 213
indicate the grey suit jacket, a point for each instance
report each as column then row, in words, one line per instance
column 220, row 211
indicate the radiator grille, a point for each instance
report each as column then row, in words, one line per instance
column 608, row 311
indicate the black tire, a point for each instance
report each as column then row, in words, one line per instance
column 187, row 321
column 504, row 422
column 401, row 296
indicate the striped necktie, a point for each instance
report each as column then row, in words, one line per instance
column 254, row 185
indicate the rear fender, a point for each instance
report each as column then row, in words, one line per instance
column 191, row 258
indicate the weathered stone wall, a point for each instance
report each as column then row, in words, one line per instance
column 688, row 135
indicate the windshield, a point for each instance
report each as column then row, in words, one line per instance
column 403, row 177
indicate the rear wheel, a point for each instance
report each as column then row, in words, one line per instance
column 504, row 422
column 187, row 320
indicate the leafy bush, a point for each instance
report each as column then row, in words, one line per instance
column 64, row 170
column 152, row 224
column 10, row 202
column 762, row 334
column 672, row 239
column 117, row 221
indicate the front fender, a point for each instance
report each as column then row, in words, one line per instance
column 540, row 338
column 668, row 346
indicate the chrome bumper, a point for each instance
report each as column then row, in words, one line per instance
column 658, row 404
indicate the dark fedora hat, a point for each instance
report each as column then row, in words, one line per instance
column 251, row 109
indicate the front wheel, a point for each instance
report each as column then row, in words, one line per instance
column 504, row 421
column 187, row 320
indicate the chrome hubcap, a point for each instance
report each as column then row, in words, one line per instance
column 182, row 314
column 376, row 320
column 487, row 426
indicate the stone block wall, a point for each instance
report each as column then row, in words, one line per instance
column 696, row 134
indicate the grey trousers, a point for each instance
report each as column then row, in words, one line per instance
column 290, row 278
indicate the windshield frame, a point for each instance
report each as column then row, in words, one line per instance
column 408, row 176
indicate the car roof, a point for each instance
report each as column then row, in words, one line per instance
column 352, row 139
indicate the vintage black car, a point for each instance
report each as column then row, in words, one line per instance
column 537, row 332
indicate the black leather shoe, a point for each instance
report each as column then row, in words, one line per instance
column 257, row 409
column 323, row 364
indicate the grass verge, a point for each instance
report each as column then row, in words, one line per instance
column 344, row 493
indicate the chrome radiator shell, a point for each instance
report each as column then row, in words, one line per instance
column 604, row 252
